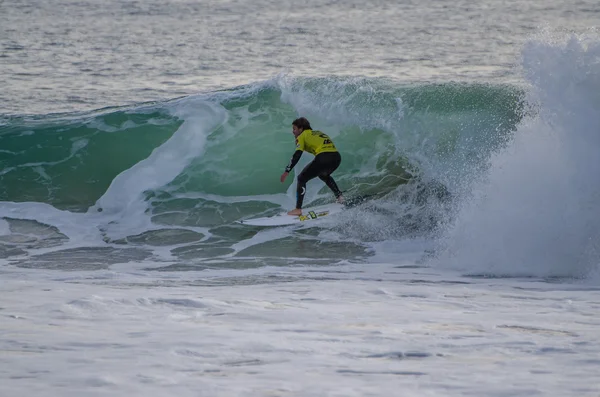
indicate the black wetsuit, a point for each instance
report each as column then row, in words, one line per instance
column 327, row 159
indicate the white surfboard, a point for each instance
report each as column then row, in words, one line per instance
column 308, row 215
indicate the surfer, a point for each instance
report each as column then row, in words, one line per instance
column 327, row 159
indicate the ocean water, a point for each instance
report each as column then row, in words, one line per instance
column 135, row 134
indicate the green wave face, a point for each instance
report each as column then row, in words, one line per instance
column 387, row 135
column 69, row 162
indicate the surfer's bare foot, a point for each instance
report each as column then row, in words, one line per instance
column 341, row 200
column 295, row 212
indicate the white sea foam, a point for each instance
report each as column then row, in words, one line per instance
column 536, row 211
column 341, row 330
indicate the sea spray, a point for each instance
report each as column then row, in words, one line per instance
column 536, row 212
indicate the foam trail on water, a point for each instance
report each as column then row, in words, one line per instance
column 81, row 229
column 166, row 161
column 537, row 210
column 123, row 206
column 123, row 200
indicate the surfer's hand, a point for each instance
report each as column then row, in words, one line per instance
column 283, row 176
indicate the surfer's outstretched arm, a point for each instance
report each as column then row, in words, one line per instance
column 294, row 160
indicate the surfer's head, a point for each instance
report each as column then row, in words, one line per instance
column 299, row 125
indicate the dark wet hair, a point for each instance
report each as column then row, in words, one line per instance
column 302, row 123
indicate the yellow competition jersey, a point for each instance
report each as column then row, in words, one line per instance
column 314, row 142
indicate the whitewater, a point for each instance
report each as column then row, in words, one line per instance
column 471, row 268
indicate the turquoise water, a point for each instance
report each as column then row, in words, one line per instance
column 70, row 160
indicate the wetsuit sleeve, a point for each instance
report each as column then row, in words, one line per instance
column 294, row 160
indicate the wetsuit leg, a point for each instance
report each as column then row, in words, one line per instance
column 332, row 163
column 322, row 166
column 332, row 185
column 309, row 172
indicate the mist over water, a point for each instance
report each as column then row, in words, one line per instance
column 535, row 211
